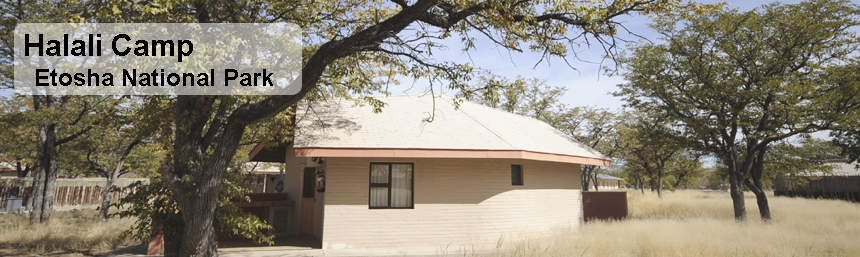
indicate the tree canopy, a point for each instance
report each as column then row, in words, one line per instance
column 736, row 82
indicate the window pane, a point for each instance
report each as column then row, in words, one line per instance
column 379, row 173
column 516, row 175
column 401, row 185
column 378, row 197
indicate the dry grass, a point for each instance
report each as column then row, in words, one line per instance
column 67, row 233
column 693, row 223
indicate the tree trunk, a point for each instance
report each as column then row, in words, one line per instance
column 660, row 185
column 198, row 201
column 737, row 193
column 586, row 177
column 37, row 193
column 106, row 198
column 51, row 166
column 198, row 213
column 678, row 182
column 595, row 182
column 757, row 187
column 43, row 185
column 761, row 200
column 22, row 172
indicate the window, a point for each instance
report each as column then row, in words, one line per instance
column 516, row 175
column 391, row 185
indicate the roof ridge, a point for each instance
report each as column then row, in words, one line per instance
column 495, row 133
column 412, row 95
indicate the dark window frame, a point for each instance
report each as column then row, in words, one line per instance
column 388, row 185
column 522, row 180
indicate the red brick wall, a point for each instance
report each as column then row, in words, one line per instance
column 604, row 205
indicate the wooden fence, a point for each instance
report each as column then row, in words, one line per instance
column 68, row 192
column 828, row 187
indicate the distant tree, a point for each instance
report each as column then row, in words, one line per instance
column 806, row 156
column 530, row 97
column 737, row 82
column 847, row 138
column 17, row 138
column 595, row 127
column 684, row 168
column 651, row 148
column 599, row 129
column 55, row 121
column 121, row 144
column 716, row 177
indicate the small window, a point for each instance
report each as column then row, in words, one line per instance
column 391, row 185
column 516, row 175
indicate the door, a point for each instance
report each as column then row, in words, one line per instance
column 308, row 204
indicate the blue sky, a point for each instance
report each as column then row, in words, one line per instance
column 587, row 85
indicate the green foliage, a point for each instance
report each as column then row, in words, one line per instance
column 594, row 127
column 17, row 136
column 684, row 169
column 759, row 76
column 97, row 152
column 236, row 221
column 652, row 151
column 72, row 117
column 156, row 209
column 734, row 83
column 762, row 74
column 849, row 143
column 805, row 157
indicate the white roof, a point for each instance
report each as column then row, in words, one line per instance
column 406, row 123
column 6, row 165
column 843, row 168
column 607, row 177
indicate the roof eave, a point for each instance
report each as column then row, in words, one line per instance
column 446, row 153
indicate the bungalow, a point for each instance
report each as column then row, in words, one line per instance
column 8, row 170
column 606, row 182
column 426, row 172
column 842, row 167
column 842, row 182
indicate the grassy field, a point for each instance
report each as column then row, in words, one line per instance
column 683, row 223
column 71, row 233
column 695, row 223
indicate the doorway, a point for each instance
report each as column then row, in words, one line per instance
column 308, row 202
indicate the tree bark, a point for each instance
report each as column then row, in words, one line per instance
column 761, row 200
column 198, row 214
column 737, row 193
column 43, row 201
column 111, row 179
column 22, row 172
column 52, row 165
column 37, row 193
column 660, row 184
column 108, row 194
column 757, row 187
